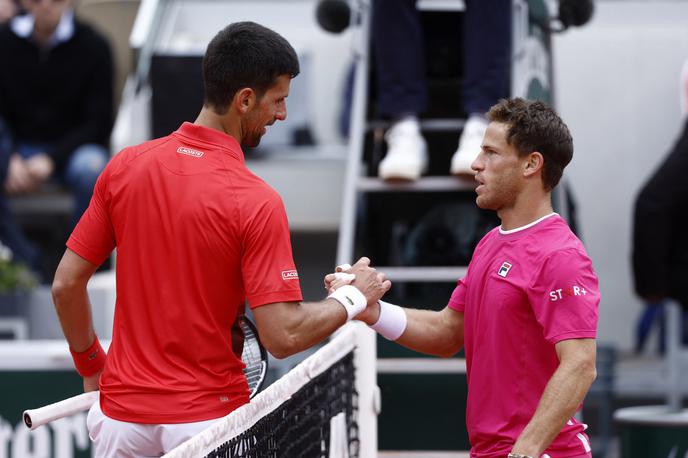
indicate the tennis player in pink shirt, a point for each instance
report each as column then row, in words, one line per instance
column 526, row 311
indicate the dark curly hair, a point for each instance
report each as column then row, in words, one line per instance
column 535, row 126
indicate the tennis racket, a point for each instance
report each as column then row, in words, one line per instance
column 245, row 342
column 253, row 354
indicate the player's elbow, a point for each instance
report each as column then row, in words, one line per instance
column 281, row 346
column 449, row 349
column 64, row 289
column 449, row 339
column 585, row 369
column 277, row 329
column 589, row 366
column 590, row 372
column 61, row 289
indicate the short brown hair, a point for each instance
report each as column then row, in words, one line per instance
column 534, row 126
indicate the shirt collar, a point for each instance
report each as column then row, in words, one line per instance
column 22, row 26
column 527, row 226
column 212, row 136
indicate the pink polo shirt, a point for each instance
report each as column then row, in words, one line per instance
column 525, row 290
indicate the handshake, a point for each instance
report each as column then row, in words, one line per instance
column 359, row 288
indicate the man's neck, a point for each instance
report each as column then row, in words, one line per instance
column 208, row 118
column 525, row 211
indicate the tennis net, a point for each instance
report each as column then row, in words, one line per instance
column 312, row 411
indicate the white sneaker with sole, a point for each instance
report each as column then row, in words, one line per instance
column 407, row 156
column 469, row 146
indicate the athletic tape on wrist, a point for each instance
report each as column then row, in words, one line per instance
column 392, row 322
column 351, row 298
column 91, row 361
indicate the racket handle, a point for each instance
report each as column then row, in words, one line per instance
column 33, row 418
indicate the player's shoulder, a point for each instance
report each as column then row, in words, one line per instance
column 556, row 235
column 257, row 201
column 128, row 155
column 552, row 239
column 491, row 234
column 252, row 186
column 265, row 195
column 559, row 247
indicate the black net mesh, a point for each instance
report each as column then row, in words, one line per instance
column 300, row 427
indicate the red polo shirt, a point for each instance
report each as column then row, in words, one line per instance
column 197, row 234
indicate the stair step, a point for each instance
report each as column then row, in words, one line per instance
column 425, row 184
column 424, row 274
column 441, row 5
column 421, row 366
column 426, row 125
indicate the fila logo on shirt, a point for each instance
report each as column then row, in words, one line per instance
column 290, row 275
column 190, row 152
column 504, row 270
column 558, row 294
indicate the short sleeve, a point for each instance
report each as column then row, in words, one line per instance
column 565, row 296
column 457, row 301
column 93, row 237
column 268, row 268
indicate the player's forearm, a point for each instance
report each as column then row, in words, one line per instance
column 318, row 321
column 562, row 396
column 301, row 326
column 431, row 332
column 74, row 311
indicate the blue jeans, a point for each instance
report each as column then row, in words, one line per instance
column 400, row 60
column 10, row 235
column 80, row 173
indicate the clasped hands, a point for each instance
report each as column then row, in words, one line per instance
column 370, row 282
column 25, row 175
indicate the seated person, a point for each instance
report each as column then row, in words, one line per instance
column 55, row 108
column 56, row 105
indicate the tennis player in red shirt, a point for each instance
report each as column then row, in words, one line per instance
column 526, row 312
column 197, row 235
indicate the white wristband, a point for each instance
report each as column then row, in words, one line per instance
column 392, row 322
column 351, row 298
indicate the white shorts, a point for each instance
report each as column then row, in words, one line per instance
column 120, row 439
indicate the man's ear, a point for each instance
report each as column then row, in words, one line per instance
column 534, row 163
column 244, row 100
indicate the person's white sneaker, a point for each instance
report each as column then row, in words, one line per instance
column 469, row 146
column 407, row 156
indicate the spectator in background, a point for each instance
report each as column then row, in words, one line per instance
column 401, row 85
column 56, row 107
column 660, row 245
